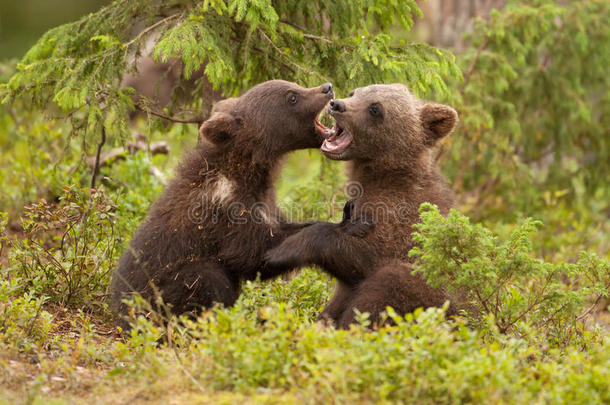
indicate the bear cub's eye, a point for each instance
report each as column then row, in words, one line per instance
column 375, row 110
column 351, row 93
column 292, row 99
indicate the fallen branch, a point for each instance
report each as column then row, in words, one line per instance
column 139, row 144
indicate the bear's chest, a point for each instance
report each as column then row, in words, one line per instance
column 393, row 219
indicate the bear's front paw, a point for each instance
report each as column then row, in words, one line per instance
column 280, row 259
column 360, row 228
column 325, row 319
column 348, row 211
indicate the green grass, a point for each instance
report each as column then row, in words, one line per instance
column 267, row 350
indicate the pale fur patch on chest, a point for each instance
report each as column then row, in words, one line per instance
column 221, row 190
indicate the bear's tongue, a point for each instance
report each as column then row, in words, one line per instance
column 338, row 141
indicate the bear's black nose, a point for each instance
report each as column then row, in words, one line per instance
column 337, row 106
column 326, row 87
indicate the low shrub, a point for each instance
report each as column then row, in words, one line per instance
column 69, row 249
column 503, row 281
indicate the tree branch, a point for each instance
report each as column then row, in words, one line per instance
column 293, row 25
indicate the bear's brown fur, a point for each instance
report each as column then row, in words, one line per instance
column 387, row 135
column 213, row 223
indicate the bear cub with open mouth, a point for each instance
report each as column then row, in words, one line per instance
column 218, row 216
column 387, row 135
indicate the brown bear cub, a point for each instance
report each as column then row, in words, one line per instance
column 387, row 135
column 215, row 220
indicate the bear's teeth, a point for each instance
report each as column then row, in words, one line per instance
column 337, row 142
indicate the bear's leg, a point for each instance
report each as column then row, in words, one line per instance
column 392, row 285
column 369, row 297
column 337, row 305
column 330, row 246
column 188, row 288
column 198, row 285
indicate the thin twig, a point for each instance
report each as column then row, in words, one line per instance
column 195, row 120
column 317, row 38
column 13, row 116
column 528, row 309
column 483, row 303
column 278, row 50
column 152, row 27
column 185, row 371
column 474, row 61
column 274, row 59
column 96, row 167
column 304, row 33
column 293, row 25
column 246, row 46
column 592, row 307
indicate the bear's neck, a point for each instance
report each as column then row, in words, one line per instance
column 253, row 174
column 400, row 175
column 407, row 184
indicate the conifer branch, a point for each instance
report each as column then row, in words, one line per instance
column 82, row 63
column 278, row 50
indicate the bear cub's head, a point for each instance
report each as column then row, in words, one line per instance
column 275, row 116
column 386, row 123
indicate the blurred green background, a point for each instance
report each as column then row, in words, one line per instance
column 23, row 22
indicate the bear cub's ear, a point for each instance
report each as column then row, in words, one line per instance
column 225, row 105
column 438, row 121
column 219, row 128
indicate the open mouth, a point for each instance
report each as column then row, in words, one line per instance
column 338, row 141
column 321, row 129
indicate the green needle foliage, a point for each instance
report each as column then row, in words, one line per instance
column 238, row 43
